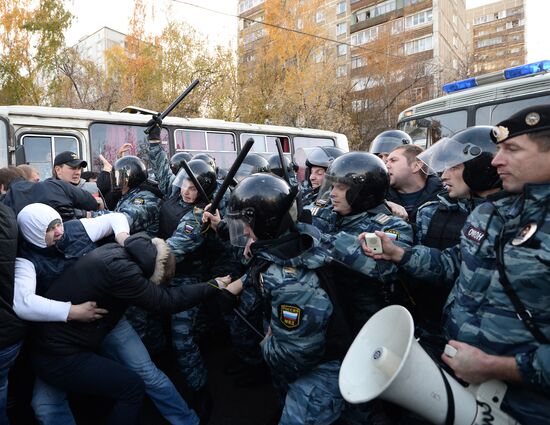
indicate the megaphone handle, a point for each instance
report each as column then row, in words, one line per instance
column 450, row 419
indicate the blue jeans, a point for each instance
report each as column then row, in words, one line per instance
column 123, row 345
column 7, row 358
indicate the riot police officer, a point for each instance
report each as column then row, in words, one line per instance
column 317, row 162
column 177, row 159
column 262, row 215
column 388, row 140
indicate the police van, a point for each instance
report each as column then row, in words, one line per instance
column 483, row 100
column 34, row 135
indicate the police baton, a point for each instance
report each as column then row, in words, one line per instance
column 229, row 178
column 282, row 160
column 193, row 178
column 157, row 118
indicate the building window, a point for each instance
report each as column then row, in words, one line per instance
column 371, row 12
column 319, row 17
column 319, row 56
column 419, row 45
column 489, row 42
column 364, row 36
column 359, row 84
column 455, row 41
column 341, row 28
column 356, row 105
column 341, row 71
column 418, row 93
column 248, row 4
column 342, row 49
column 357, row 62
column 341, row 7
column 299, row 24
column 418, row 19
column 397, row 26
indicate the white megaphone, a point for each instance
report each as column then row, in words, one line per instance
column 386, row 361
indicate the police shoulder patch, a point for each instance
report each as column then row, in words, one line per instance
column 290, row 271
column 188, row 228
column 290, row 315
column 474, row 234
column 381, row 218
column 138, row 201
column 321, row 203
column 392, row 233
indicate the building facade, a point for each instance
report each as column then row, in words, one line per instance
column 497, row 32
column 93, row 47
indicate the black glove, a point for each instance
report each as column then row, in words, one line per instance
column 70, row 213
column 154, row 125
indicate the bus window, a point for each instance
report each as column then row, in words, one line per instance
column 428, row 130
column 266, row 145
column 40, row 151
column 106, row 139
column 309, row 142
column 3, row 144
column 493, row 114
column 190, row 140
column 221, row 142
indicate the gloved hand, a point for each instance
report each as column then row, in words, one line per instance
column 70, row 213
column 154, row 132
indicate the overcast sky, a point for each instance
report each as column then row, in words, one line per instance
column 92, row 15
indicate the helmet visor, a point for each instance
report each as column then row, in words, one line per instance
column 244, row 170
column 180, row 178
column 239, row 224
column 448, row 153
column 121, row 178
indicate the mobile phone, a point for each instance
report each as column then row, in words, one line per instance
column 373, row 242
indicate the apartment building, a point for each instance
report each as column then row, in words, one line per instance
column 497, row 32
column 93, row 47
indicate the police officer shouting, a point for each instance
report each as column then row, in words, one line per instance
column 497, row 312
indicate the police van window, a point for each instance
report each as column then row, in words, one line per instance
column 493, row 114
column 221, row 141
column 265, row 145
column 309, row 142
column 106, row 139
column 40, row 151
column 433, row 128
column 190, row 140
column 3, row 144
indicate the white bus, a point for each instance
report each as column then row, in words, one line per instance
column 35, row 135
column 483, row 100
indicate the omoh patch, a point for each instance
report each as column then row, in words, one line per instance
column 474, row 234
column 290, row 315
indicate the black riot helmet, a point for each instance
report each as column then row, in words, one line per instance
column 208, row 159
column 322, row 156
column 252, row 163
column 203, row 172
column 177, row 159
column 130, row 171
column 275, row 165
column 475, row 148
column 264, row 202
column 365, row 175
column 388, row 140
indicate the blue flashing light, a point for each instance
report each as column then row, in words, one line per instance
column 528, row 69
column 459, row 85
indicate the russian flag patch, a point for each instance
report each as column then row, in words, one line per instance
column 290, row 315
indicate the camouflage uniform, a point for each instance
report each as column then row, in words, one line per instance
column 298, row 312
column 141, row 207
column 478, row 312
column 365, row 294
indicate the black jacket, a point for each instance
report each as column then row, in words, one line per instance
column 55, row 193
column 432, row 188
column 13, row 329
column 114, row 277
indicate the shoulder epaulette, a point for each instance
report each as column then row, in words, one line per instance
column 381, row 218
